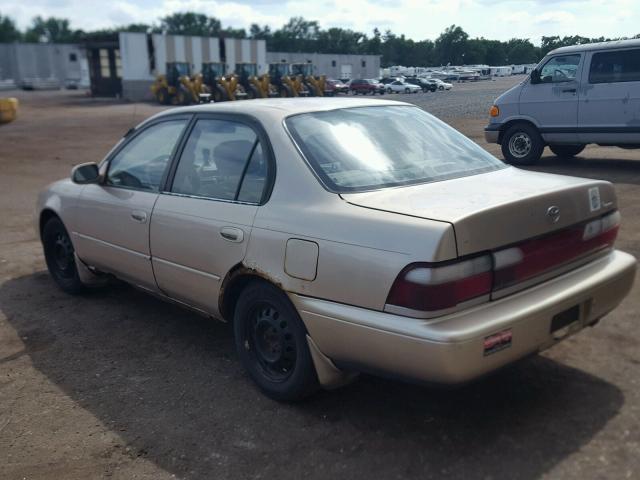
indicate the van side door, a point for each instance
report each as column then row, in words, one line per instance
column 553, row 102
column 609, row 107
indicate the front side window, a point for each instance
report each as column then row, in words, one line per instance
column 618, row 66
column 366, row 148
column 222, row 160
column 562, row 68
column 141, row 163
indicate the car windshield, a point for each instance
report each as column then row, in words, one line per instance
column 366, row 148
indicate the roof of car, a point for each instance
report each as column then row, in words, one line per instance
column 586, row 47
column 279, row 108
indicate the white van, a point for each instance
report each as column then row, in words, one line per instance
column 575, row 96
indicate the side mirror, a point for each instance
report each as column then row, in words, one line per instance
column 85, row 173
column 535, row 76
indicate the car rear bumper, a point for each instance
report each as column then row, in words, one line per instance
column 453, row 348
column 492, row 133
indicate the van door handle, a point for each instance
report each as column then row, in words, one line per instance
column 232, row 234
column 139, row 216
column 569, row 90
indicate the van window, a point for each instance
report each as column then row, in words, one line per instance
column 562, row 68
column 618, row 66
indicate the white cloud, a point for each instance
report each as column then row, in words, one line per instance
column 417, row 19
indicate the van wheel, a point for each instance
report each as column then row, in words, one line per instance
column 566, row 151
column 522, row 145
column 271, row 341
column 59, row 256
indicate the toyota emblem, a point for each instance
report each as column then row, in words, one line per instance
column 553, row 213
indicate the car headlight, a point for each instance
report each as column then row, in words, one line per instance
column 494, row 111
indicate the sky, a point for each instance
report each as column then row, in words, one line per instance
column 417, row 19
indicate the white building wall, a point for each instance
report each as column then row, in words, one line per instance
column 134, row 54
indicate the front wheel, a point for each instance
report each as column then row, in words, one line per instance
column 60, row 256
column 522, row 145
column 389, row 90
column 271, row 341
column 566, row 151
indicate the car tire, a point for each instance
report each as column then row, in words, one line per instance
column 389, row 91
column 522, row 144
column 59, row 256
column 407, row 90
column 566, row 151
column 271, row 341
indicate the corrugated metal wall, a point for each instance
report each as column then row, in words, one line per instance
column 55, row 63
column 333, row 65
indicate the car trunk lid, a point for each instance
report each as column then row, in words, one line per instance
column 497, row 209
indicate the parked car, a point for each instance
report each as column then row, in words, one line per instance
column 332, row 244
column 366, row 86
column 575, row 96
column 440, row 84
column 399, row 86
column 336, row 86
column 387, row 80
column 423, row 84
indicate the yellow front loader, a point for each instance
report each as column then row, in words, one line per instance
column 176, row 87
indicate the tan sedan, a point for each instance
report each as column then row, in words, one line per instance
column 341, row 236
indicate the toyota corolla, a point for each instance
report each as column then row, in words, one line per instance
column 340, row 236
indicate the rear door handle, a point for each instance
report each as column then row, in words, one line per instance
column 139, row 216
column 232, row 234
column 569, row 90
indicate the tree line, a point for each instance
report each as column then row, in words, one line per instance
column 453, row 46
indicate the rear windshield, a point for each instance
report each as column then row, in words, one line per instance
column 367, row 148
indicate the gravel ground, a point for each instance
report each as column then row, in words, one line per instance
column 117, row 384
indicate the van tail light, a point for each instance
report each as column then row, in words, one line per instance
column 538, row 256
column 431, row 287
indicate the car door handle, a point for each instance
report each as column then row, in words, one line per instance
column 569, row 90
column 232, row 234
column 139, row 216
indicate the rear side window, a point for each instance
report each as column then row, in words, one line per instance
column 222, row 160
column 618, row 66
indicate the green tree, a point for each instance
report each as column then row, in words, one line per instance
column 51, row 30
column 8, row 30
column 258, row 32
column 450, row 46
column 520, row 51
column 190, row 23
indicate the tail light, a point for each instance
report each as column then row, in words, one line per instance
column 538, row 256
column 432, row 288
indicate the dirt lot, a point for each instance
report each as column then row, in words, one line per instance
column 118, row 384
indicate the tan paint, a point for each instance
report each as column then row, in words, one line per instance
column 301, row 259
column 363, row 242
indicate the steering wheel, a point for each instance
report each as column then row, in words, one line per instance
column 560, row 74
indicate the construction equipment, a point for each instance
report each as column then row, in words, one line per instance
column 8, row 109
column 212, row 76
column 315, row 85
column 286, row 84
column 176, row 87
column 255, row 86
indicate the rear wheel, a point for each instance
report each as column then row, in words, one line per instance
column 522, row 144
column 272, row 344
column 60, row 256
column 163, row 96
column 566, row 151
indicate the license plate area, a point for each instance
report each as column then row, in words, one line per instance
column 565, row 318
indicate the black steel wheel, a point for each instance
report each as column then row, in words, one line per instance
column 60, row 256
column 522, row 144
column 271, row 343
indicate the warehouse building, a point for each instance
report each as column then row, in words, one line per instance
column 333, row 65
column 143, row 57
column 42, row 65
